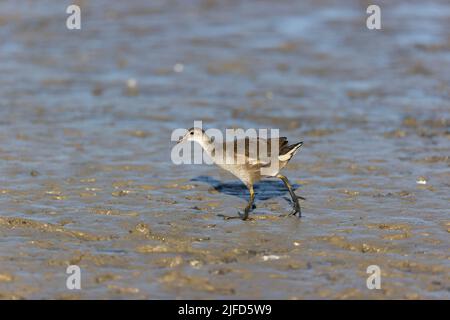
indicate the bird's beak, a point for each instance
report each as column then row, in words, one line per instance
column 180, row 140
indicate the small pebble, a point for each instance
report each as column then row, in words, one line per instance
column 178, row 67
column 132, row 87
column 421, row 180
column 34, row 173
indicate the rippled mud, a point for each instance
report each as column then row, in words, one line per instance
column 86, row 176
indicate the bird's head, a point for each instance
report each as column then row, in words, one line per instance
column 193, row 134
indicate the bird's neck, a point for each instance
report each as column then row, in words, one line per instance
column 207, row 145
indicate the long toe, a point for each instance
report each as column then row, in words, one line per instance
column 225, row 217
column 296, row 210
column 244, row 216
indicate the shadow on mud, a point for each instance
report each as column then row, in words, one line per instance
column 264, row 190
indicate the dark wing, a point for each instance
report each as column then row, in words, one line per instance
column 255, row 143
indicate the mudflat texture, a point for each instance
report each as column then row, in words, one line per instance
column 86, row 176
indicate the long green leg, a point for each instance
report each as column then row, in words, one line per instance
column 250, row 203
column 294, row 197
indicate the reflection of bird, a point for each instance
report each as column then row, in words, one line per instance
column 248, row 166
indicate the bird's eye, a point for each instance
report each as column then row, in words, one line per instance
column 192, row 132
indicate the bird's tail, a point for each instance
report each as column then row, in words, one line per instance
column 288, row 152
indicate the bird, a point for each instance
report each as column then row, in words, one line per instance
column 250, row 170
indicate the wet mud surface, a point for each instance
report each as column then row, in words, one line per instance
column 86, row 176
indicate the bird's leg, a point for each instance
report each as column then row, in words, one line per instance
column 247, row 208
column 250, row 203
column 294, row 197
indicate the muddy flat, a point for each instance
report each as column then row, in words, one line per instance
column 86, row 176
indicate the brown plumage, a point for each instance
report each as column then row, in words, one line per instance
column 244, row 159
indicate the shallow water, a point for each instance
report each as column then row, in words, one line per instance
column 86, row 176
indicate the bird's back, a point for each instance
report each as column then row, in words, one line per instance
column 254, row 149
column 246, row 157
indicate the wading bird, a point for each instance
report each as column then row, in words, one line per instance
column 249, row 168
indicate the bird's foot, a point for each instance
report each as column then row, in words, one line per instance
column 243, row 216
column 226, row 217
column 295, row 211
column 296, row 208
